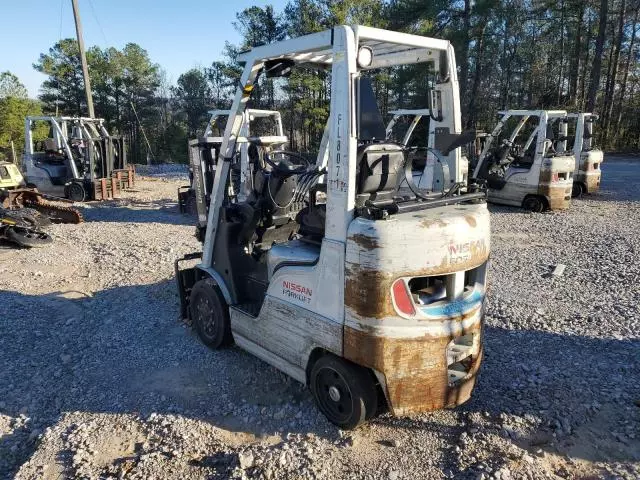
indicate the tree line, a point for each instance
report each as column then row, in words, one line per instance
column 578, row 55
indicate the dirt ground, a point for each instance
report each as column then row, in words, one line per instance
column 101, row 379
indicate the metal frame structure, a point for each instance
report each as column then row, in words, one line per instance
column 428, row 178
column 588, row 173
column 301, row 302
column 203, row 152
column 104, row 169
column 543, row 183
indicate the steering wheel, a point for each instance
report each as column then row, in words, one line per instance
column 440, row 158
column 285, row 165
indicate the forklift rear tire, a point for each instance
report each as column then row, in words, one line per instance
column 577, row 190
column 344, row 392
column 210, row 314
column 533, row 204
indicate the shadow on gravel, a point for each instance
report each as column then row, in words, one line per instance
column 123, row 350
column 583, row 394
column 132, row 210
column 545, row 393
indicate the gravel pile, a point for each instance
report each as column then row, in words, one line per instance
column 101, row 379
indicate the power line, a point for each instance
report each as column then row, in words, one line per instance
column 95, row 16
column 59, row 40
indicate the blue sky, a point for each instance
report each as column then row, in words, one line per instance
column 178, row 34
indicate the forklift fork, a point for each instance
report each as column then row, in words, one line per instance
column 185, row 280
column 183, row 197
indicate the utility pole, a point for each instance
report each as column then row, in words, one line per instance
column 83, row 58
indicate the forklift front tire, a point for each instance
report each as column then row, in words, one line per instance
column 344, row 392
column 210, row 314
column 577, row 190
column 533, row 204
column 75, row 191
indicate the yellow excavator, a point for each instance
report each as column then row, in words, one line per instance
column 18, row 199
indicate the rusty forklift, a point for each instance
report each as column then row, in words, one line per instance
column 520, row 163
column 344, row 273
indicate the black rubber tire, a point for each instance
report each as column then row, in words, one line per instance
column 75, row 191
column 356, row 400
column 210, row 314
column 27, row 237
column 533, row 204
column 577, row 191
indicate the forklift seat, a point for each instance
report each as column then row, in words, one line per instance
column 379, row 171
column 50, row 145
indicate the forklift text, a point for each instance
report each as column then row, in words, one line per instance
column 296, row 291
column 461, row 252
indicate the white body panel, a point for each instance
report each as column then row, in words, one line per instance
column 588, row 158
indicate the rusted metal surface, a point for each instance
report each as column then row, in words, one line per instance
column 371, row 266
column 409, row 355
column 592, row 182
column 558, row 197
column 588, row 172
column 288, row 332
column 367, row 291
column 556, row 190
column 30, row 198
column 125, row 177
column 414, row 369
column 105, row 189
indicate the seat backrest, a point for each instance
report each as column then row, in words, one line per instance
column 380, row 168
column 50, row 145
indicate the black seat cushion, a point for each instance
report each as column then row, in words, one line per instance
column 379, row 167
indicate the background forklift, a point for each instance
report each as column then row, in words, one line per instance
column 79, row 161
column 374, row 297
column 425, row 163
column 204, row 151
column 589, row 158
column 520, row 164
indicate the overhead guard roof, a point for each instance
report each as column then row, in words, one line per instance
column 389, row 48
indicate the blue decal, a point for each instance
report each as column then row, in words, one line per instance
column 455, row 308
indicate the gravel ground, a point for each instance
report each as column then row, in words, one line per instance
column 101, row 379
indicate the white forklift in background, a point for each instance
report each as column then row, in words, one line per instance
column 424, row 162
column 203, row 154
column 79, row 160
column 589, row 158
column 374, row 297
column 520, row 164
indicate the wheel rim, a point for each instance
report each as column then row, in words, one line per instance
column 334, row 395
column 76, row 192
column 205, row 317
